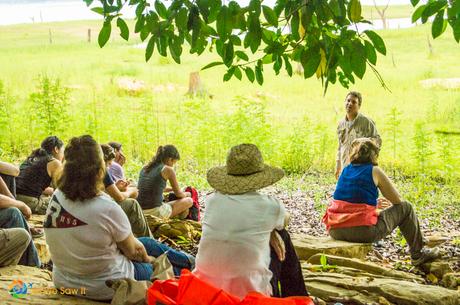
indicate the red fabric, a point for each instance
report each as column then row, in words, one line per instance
column 342, row 214
column 190, row 290
column 255, row 298
column 194, row 212
column 163, row 292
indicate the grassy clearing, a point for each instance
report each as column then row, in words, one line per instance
column 289, row 118
column 393, row 11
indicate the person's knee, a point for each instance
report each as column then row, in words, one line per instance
column 407, row 206
column 14, row 214
column 188, row 202
column 23, row 237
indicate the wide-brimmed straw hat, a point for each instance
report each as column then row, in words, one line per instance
column 245, row 171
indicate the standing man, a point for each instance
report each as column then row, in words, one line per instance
column 354, row 125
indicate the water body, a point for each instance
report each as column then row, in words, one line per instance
column 32, row 11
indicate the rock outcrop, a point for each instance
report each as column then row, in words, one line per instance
column 307, row 246
column 38, row 289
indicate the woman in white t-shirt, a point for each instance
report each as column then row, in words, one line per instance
column 239, row 226
column 89, row 235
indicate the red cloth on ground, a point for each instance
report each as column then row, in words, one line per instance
column 342, row 214
column 190, row 290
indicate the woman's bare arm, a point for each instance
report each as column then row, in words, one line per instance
column 385, row 185
column 9, row 169
column 134, row 249
column 169, row 174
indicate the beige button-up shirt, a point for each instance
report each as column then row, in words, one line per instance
column 347, row 131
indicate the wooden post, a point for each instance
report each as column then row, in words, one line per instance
column 89, row 35
column 50, row 36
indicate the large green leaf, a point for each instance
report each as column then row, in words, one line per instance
column 124, row 31
column 249, row 74
column 104, row 34
column 418, row 13
column 432, row 8
column 439, row 25
column 181, row 19
column 224, row 23
column 370, row 52
column 270, row 15
column 354, row 10
column 310, row 60
column 150, row 47
column 456, row 29
column 213, row 64
column 161, row 9
column 259, row 75
column 377, row 41
column 295, row 25
column 242, row 55
column 358, row 59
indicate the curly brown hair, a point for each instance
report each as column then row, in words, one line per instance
column 364, row 150
column 84, row 169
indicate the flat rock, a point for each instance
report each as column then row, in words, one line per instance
column 40, row 289
column 307, row 246
column 40, row 243
column 336, row 287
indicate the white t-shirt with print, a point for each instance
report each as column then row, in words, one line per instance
column 82, row 238
column 234, row 250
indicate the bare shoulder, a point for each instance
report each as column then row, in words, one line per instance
column 55, row 163
column 167, row 171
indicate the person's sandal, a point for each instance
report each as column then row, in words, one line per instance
column 36, row 232
column 426, row 255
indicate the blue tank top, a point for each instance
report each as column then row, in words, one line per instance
column 356, row 185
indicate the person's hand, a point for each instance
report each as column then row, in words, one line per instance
column 337, row 172
column 25, row 210
column 48, row 191
column 383, row 203
column 122, row 185
column 277, row 243
column 188, row 194
column 133, row 192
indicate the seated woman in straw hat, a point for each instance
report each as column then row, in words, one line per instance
column 239, row 226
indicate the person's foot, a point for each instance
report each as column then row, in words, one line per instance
column 426, row 255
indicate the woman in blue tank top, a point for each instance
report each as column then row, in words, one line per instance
column 359, row 184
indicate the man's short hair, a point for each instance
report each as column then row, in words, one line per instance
column 357, row 95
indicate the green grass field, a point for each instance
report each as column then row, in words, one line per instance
column 393, row 11
column 289, row 118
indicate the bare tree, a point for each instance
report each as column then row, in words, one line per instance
column 381, row 13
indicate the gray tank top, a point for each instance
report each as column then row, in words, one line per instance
column 151, row 186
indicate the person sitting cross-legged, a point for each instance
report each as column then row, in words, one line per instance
column 353, row 215
column 88, row 234
column 239, row 226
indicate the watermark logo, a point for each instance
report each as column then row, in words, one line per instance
column 18, row 289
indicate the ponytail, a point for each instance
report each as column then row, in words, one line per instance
column 163, row 153
column 46, row 149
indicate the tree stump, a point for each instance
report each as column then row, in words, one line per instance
column 195, row 87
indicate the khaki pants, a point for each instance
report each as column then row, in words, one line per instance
column 138, row 222
column 399, row 215
column 13, row 243
column 37, row 205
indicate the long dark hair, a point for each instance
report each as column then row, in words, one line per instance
column 46, row 149
column 163, row 153
column 84, row 169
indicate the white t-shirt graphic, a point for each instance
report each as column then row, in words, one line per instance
column 82, row 237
